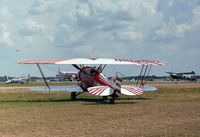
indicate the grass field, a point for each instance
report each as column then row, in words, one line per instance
column 173, row 110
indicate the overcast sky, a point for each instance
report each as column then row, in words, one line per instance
column 167, row 30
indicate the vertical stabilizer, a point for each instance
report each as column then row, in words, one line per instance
column 6, row 78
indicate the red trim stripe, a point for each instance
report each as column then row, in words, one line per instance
column 97, row 90
column 135, row 91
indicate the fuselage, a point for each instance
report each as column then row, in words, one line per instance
column 91, row 77
column 17, row 80
column 182, row 76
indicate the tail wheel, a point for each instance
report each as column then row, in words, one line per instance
column 105, row 97
column 112, row 101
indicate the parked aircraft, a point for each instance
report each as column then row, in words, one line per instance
column 20, row 80
column 92, row 79
column 191, row 76
column 67, row 75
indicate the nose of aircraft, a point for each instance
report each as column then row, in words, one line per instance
column 100, row 78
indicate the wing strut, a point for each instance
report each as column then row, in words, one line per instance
column 148, row 72
column 101, row 67
column 140, row 75
column 143, row 74
column 45, row 81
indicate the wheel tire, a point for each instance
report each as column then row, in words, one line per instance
column 73, row 96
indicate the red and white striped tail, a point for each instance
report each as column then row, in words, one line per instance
column 101, row 90
column 131, row 90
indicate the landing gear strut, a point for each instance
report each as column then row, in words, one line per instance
column 112, row 100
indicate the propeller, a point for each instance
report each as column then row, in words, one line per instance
column 76, row 66
column 93, row 70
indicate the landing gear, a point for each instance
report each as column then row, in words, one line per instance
column 73, row 95
column 105, row 97
column 112, row 101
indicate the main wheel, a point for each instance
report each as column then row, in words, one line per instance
column 73, row 95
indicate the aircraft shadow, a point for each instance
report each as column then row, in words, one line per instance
column 91, row 101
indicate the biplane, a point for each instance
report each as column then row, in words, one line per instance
column 93, row 80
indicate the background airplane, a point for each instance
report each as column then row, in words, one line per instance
column 67, row 75
column 191, row 76
column 20, row 80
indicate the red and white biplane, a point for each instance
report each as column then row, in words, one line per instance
column 92, row 79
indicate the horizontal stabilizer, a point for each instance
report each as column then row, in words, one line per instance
column 57, row 88
column 101, row 90
column 131, row 90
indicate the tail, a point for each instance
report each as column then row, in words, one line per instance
column 28, row 78
column 6, row 78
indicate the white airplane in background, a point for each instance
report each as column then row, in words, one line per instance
column 191, row 76
column 20, row 80
column 92, row 79
column 67, row 75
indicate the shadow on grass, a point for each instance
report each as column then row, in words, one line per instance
column 91, row 101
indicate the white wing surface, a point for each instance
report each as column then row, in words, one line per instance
column 131, row 90
column 147, row 88
column 101, row 90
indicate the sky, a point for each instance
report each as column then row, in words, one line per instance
column 166, row 30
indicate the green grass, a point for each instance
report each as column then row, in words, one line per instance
column 170, row 111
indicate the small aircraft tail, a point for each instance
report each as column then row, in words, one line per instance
column 6, row 78
column 28, row 78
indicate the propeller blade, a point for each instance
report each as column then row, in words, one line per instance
column 76, row 66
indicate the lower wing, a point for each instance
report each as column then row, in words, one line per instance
column 57, row 88
column 148, row 88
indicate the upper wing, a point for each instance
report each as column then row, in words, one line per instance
column 93, row 61
column 40, row 61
